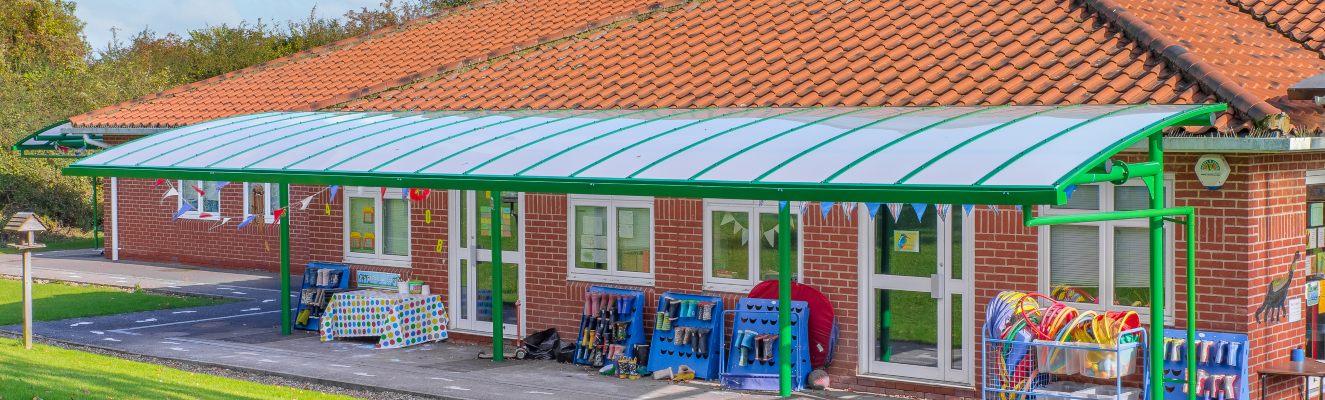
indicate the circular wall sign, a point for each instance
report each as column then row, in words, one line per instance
column 1212, row 170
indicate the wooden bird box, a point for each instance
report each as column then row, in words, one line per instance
column 25, row 222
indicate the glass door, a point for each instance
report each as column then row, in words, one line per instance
column 915, row 284
column 471, row 256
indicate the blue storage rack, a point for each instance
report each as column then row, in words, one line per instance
column 310, row 282
column 635, row 334
column 1174, row 367
column 761, row 316
column 664, row 353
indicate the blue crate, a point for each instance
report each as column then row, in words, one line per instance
column 310, row 282
column 635, row 316
column 664, row 353
column 761, row 316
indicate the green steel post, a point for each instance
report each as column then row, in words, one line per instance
column 285, row 259
column 784, row 298
column 1157, row 273
column 497, row 301
column 1191, row 304
column 96, row 215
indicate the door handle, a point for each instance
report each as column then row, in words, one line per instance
column 936, row 286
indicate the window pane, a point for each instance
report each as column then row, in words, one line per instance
column 955, row 303
column 464, row 219
column 1086, row 197
column 510, row 280
column 190, row 195
column 257, row 199
column 211, row 201
column 363, row 225
column 955, row 212
column 395, row 227
column 510, row 227
column 906, row 328
column 1131, row 267
column 274, row 200
column 730, row 244
column 768, row 246
column 464, row 289
column 908, row 247
column 634, row 234
column 591, row 237
column 1074, row 266
column 1130, row 198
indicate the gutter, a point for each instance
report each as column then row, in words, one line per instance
column 114, row 131
column 1239, row 145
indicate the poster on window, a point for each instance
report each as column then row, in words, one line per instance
column 1313, row 293
column 906, row 241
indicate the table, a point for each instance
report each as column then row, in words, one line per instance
column 1305, row 370
column 398, row 320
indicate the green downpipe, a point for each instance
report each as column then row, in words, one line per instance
column 96, row 215
column 1191, row 305
column 1157, row 273
column 285, row 259
column 784, row 298
column 497, row 301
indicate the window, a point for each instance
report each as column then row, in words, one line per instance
column 741, row 244
column 612, row 239
column 1102, row 265
column 262, row 199
column 204, row 197
column 376, row 227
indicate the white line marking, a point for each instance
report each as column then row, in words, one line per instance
column 169, row 342
column 363, row 374
column 266, row 361
column 193, row 321
column 441, row 379
column 184, row 312
column 111, row 339
column 455, row 388
column 98, row 332
column 178, row 349
column 238, row 293
column 340, row 366
column 247, row 353
column 79, row 324
column 145, row 321
column 537, row 392
column 251, row 309
column 268, row 300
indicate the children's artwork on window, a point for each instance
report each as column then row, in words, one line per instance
column 367, row 215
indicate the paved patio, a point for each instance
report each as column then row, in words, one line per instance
column 245, row 335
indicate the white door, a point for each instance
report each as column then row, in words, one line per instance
column 915, row 283
column 471, row 260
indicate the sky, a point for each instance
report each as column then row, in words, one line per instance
column 180, row 16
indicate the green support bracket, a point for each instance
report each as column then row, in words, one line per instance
column 498, row 336
column 784, row 299
column 285, row 259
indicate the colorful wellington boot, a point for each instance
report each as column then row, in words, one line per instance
column 702, row 341
column 662, row 322
column 627, row 305
column 1230, row 387
column 747, row 344
column 706, row 311
column 740, row 349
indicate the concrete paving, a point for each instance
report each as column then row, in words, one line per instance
column 245, row 335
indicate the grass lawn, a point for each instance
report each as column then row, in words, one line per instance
column 55, row 373
column 53, row 301
column 61, row 244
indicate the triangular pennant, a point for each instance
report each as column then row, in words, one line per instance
column 966, row 209
column 995, row 209
column 333, row 189
column 919, row 208
column 849, row 208
column 170, row 192
column 200, row 191
column 745, row 236
column 943, row 211
column 727, row 219
column 404, row 193
column 872, row 208
column 303, row 204
column 277, row 214
column 159, row 182
column 804, row 204
column 771, row 236
column 220, row 185
column 737, row 227
column 1069, row 190
column 223, row 222
column 247, row 220
column 895, row 209
column 205, row 215
column 183, row 208
column 384, row 192
column 826, row 207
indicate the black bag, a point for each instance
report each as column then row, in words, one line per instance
column 566, row 352
column 542, row 345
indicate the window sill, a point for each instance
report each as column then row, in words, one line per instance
column 609, row 278
column 194, row 215
column 741, row 288
column 395, row 262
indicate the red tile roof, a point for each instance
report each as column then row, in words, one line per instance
column 375, row 61
column 780, row 53
column 788, row 53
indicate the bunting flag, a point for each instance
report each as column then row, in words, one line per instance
column 159, row 182
column 80, row 150
column 205, row 215
column 848, row 209
column 333, row 189
column 727, row 219
column 737, row 227
column 201, row 193
column 220, row 185
column 770, row 236
column 826, row 207
column 943, row 211
column 745, row 236
column 967, row 209
column 384, row 192
column 247, row 220
column 895, row 209
column 804, row 204
column 1069, row 190
column 183, row 208
column 404, row 193
column 417, row 195
column 995, row 209
column 223, row 222
column 919, row 208
column 277, row 214
column 303, row 204
column 873, row 208
column 169, row 192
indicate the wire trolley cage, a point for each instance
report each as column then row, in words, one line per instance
column 1023, row 368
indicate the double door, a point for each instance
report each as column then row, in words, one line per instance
column 917, row 295
column 471, row 260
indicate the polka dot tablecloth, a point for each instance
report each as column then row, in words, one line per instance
column 397, row 320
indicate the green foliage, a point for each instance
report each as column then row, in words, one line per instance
column 48, row 73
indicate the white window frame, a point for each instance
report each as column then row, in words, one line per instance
column 269, row 189
column 1106, row 278
column 612, row 274
column 754, row 208
column 185, row 189
column 379, row 258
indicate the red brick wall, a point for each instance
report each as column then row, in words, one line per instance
column 1247, row 234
